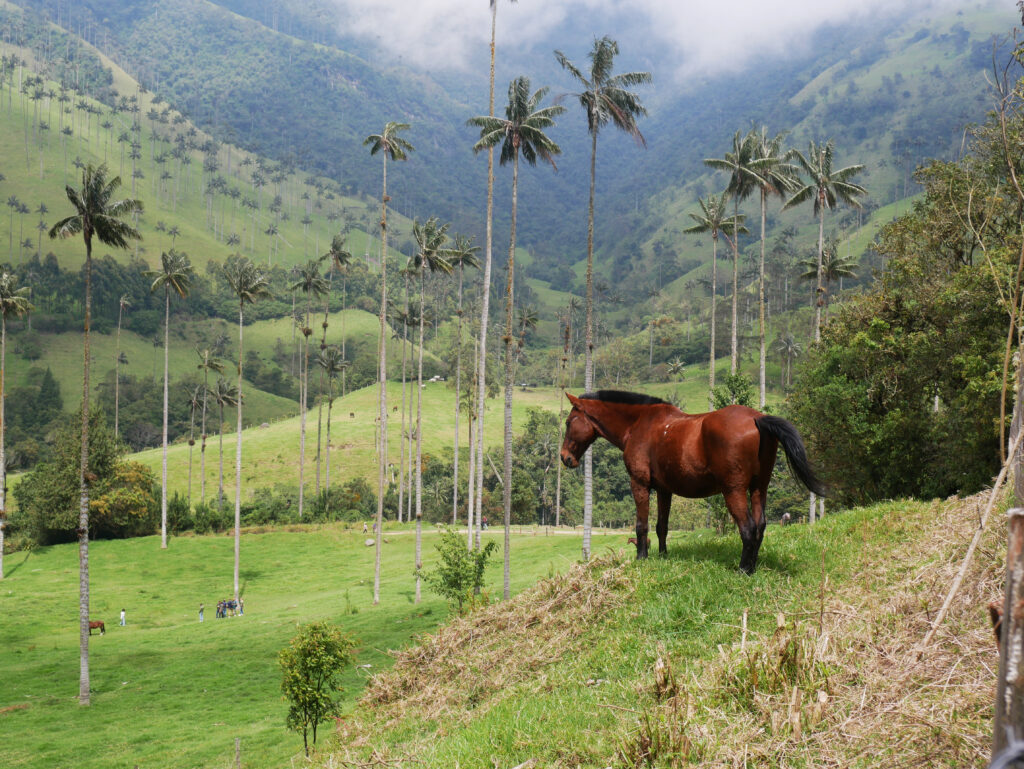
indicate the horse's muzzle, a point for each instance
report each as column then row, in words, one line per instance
column 569, row 460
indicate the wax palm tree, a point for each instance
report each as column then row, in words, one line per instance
column 605, row 98
column 778, row 176
column 787, row 347
column 342, row 259
column 331, row 360
column 208, row 361
column 520, row 132
column 225, row 395
column 827, row 187
column 194, row 396
column 175, row 275
column 312, row 284
column 97, row 215
column 485, row 294
column 13, row 304
column 833, row 266
column 431, row 254
column 461, row 254
column 713, row 219
column 249, row 284
column 390, row 146
column 122, row 304
column 740, row 164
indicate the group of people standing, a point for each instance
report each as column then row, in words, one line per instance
column 226, row 608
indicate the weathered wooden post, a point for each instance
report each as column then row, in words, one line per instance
column 1009, row 719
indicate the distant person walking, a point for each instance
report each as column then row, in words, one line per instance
column 241, row 606
column 200, row 612
column 122, row 617
column 364, row 527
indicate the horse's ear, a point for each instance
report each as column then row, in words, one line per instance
column 573, row 400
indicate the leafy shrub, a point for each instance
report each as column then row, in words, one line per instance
column 459, row 574
column 310, row 667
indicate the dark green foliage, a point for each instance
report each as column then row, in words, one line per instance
column 122, row 503
column 736, row 389
column 310, row 668
column 902, row 396
column 459, row 574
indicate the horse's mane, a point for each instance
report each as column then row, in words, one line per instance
column 627, row 398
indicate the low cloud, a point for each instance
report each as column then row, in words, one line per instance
column 689, row 37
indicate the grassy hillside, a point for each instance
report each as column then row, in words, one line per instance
column 168, row 691
column 271, row 453
column 685, row 661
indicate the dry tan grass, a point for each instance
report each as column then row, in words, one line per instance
column 454, row 672
column 842, row 686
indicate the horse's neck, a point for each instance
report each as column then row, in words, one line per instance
column 614, row 422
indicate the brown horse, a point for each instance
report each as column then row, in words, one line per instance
column 729, row 452
column 97, row 624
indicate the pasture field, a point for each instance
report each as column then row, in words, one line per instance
column 171, row 692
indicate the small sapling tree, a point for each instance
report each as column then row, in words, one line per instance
column 310, row 667
column 459, row 575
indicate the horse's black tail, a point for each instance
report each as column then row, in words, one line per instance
column 787, row 435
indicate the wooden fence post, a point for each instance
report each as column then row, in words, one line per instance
column 1009, row 719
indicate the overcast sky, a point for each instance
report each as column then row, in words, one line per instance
column 700, row 36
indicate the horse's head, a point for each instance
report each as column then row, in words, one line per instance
column 580, row 432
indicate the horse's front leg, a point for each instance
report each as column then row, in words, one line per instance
column 664, row 507
column 642, row 498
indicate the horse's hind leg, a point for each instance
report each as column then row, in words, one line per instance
column 664, row 506
column 736, row 502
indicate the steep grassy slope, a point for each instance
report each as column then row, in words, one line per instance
column 685, row 661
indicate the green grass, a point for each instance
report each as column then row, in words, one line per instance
column 688, row 608
column 170, row 691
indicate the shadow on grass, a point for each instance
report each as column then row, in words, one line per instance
column 7, row 559
column 724, row 551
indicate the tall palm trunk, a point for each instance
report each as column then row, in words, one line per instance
column 506, row 487
column 714, row 308
column 471, row 485
column 734, row 358
column 83, row 503
column 382, row 445
column 330, row 403
column 191, row 443
column 202, row 438
column 481, row 381
column 117, row 370
column 3, row 455
column 418, row 468
column 588, row 366
column 458, row 381
column 163, row 461
column 763, row 361
column 302, row 407
column 820, row 290
column 402, row 437
column 238, row 455
column 220, row 474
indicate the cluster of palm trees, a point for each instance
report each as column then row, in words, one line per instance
column 758, row 162
column 97, row 214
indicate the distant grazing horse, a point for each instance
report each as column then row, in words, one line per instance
column 97, row 624
column 729, row 452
